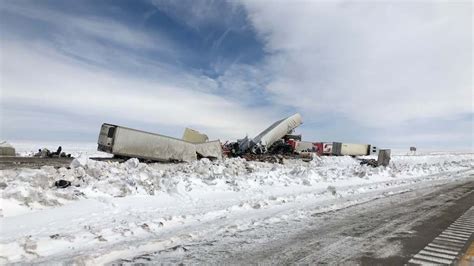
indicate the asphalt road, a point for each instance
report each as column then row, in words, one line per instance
column 387, row 231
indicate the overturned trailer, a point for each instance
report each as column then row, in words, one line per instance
column 275, row 132
column 263, row 141
column 131, row 143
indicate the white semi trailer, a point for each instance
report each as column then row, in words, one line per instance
column 348, row 149
column 275, row 132
column 132, row 143
column 353, row 149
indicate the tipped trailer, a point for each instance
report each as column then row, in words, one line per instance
column 131, row 143
column 275, row 132
column 263, row 142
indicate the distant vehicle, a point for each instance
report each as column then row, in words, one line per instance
column 352, row 149
column 334, row 148
column 131, row 143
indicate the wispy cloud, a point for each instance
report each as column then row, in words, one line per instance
column 53, row 80
column 91, row 26
column 96, row 67
column 379, row 64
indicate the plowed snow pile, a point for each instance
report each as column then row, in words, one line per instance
column 117, row 210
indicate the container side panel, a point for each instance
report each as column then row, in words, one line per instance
column 354, row 149
column 210, row 149
column 132, row 143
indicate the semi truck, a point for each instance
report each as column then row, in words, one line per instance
column 353, row 149
column 334, row 148
column 132, row 143
column 348, row 149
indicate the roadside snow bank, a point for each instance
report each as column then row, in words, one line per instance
column 34, row 188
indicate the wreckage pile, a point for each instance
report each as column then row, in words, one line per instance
column 269, row 141
column 275, row 143
column 278, row 142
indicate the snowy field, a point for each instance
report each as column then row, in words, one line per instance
column 117, row 211
column 76, row 149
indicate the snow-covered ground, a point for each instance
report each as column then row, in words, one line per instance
column 76, row 149
column 116, row 211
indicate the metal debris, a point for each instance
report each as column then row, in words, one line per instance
column 62, row 183
column 46, row 153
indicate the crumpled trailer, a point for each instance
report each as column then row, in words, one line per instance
column 132, row 143
column 275, row 132
column 210, row 149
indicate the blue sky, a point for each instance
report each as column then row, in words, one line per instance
column 392, row 73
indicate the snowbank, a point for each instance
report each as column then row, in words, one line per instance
column 34, row 188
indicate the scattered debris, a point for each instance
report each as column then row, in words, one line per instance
column 62, row 183
column 332, row 190
column 263, row 158
column 101, row 238
column 281, row 147
column 369, row 162
column 382, row 160
column 55, row 236
column 46, row 153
